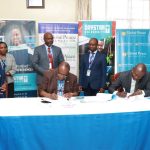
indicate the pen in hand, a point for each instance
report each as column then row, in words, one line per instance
column 68, row 95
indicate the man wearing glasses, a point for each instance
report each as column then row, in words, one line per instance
column 59, row 82
column 135, row 81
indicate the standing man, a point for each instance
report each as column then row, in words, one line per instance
column 46, row 57
column 93, row 70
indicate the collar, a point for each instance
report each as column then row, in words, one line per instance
column 92, row 52
column 47, row 46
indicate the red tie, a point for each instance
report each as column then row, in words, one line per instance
column 50, row 57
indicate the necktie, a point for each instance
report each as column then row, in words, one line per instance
column 91, row 59
column 50, row 57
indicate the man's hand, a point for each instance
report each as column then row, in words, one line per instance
column 53, row 96
column 122, row 94
column 138, row 92
column 101, row 90
column 8, row 74
column 80, row 88
column 68, row 95
column 3, row 87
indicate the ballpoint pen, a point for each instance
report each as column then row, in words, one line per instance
column 45, row 101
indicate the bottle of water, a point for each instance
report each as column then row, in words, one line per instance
column 81, row 95
column 114, row 96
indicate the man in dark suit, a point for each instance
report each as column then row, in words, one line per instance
column 135, row 81
column 93, row 68
column 46, row 56
column 59, row 82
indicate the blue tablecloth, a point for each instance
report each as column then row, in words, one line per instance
column 112, row 131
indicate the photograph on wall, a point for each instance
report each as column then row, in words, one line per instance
column 20, row 38
column 104, row 31
column 133, row 47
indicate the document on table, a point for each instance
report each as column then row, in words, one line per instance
column 104, row 97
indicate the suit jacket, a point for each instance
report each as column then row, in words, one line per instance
column 2, row 78
column 97, row 78
column 50, row 82
column 125, row 79
column 40, row 60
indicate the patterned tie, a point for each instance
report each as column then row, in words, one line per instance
column 91, row 59
column 50, row 57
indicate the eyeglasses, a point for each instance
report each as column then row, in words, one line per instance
column 62, row 76
column 1, row 47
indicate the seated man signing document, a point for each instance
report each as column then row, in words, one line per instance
column 59, row 82
column 135, row 81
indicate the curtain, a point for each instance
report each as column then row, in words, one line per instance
column 83, row 10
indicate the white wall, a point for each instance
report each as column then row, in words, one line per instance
column 54, row 11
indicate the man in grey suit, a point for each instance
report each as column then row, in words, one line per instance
column 135, row 81
column 46, row 57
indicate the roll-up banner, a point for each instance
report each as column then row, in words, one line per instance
column 104, row 31
column 20, row 38
column 66, row 37
column 132, row 47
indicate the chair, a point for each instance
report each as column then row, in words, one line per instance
column 114, row 78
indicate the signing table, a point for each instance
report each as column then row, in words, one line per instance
column 88, row 124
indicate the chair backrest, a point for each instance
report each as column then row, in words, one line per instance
column 115, row 76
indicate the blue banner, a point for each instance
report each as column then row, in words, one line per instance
column 20, row 38
column 58, row 28
column 97, row 29
column 25, row 85
column 133, row 47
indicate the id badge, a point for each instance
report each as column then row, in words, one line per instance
column 50, row 65
column 88, row 72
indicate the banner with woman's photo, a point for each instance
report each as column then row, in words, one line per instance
column 104, row 31
column 20, row 38
column 66, row 37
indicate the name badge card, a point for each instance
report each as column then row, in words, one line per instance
column 50, row 65
column 88, row 72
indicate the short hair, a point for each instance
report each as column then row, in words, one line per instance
column 64, row 63
column 94, row 39
column 4, row 44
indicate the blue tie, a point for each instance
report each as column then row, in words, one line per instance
column 91, row 59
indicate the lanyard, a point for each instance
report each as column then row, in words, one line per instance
column 3, row 64
column 60, row 87
column 2, row 72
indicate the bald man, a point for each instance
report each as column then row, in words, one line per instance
column 59, row 82
column 46, row 56
column 135, row 81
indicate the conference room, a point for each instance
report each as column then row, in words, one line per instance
column 78, row 74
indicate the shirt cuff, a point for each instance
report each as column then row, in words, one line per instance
column 143, row 93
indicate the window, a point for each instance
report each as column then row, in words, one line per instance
column 131, row 14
